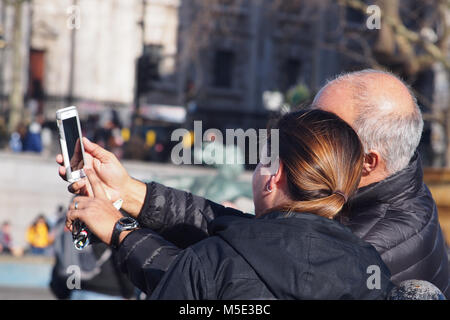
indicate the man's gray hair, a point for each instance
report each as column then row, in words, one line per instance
column 395, row 136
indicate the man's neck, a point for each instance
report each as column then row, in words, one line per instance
column 373, row 177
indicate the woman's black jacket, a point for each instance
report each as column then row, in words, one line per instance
column 230, row 255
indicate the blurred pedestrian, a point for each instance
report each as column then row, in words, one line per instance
column 3, row 133
column 33, row 140
column 38, row 236
column 109, row 134
column 47, row 140
column 17, row 138
column 15, row 143
column 5, row 238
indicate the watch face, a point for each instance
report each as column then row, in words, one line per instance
column 128, row 222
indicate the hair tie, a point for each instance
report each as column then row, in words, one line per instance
column 341, row 194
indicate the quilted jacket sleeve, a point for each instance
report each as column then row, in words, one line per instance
column 170, row 220
column 185, row 280
column 144, row 256
column 180, row 216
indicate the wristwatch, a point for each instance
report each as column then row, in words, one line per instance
column 123, row 224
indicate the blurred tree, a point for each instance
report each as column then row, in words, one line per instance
column 414, row 38
column 17, row 88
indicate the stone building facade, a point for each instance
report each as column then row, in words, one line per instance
column 232, row 51
column 220, row 54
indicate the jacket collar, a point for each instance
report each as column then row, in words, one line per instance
column 398, row 186
column 279, row 215
column 301, row 217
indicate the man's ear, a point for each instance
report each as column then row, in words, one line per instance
column 371, row 162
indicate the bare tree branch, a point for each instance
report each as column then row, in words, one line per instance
column 406, row 37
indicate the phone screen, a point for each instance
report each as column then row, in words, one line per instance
column 72, row 136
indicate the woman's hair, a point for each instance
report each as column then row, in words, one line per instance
column 323, row 160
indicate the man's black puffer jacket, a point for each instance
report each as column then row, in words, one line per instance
column 278, row 256
column 398, row 216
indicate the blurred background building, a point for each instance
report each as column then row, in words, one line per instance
column 214, row 58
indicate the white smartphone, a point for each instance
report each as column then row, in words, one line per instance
column 72, row 147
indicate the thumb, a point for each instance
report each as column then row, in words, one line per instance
column 96, row 151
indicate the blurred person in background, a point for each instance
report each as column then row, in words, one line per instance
column 115, row 141
column 100, row 277
column 33, row 140
column 3, row 133
column 15, row 143
column 54, row 220
column 5, row 238
column 47, row 140
column 17, row 138
column 89, row 126
column 38, row 236
column 109, row 134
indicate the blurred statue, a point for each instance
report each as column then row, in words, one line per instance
column 224, row 187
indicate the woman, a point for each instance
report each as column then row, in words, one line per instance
column 38, row 236
column 190, row 248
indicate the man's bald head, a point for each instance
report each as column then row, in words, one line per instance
column 381, row 109
column 346, row 93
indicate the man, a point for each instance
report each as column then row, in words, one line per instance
column 393, row 209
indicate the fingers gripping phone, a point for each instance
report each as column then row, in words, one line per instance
column 72, row 150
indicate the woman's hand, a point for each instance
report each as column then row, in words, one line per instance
column 113, row 177
column 97, row 213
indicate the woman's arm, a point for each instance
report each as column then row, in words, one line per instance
column 166, row 209
column 144, row 256
column 160, row 269
column 156, row 206
column 186, row 279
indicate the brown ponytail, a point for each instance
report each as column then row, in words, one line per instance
column 323, row 159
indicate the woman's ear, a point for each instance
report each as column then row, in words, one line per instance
column 278, row 184
column 278, row 176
